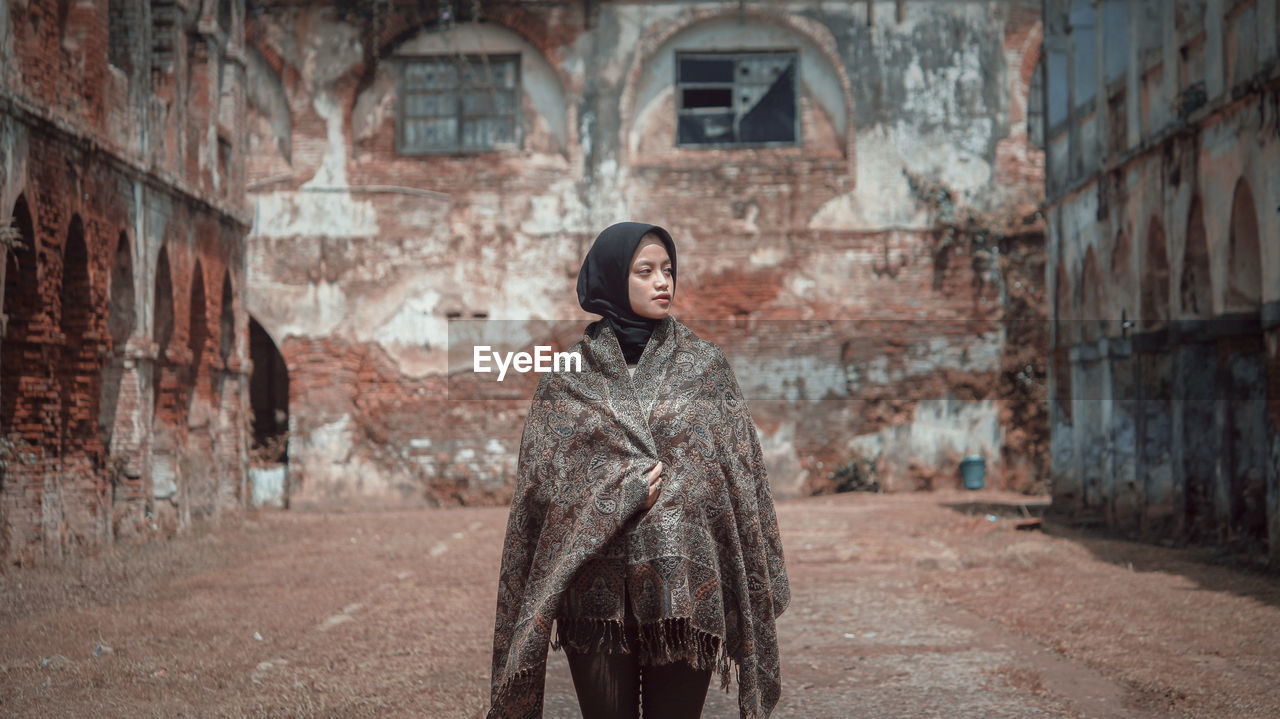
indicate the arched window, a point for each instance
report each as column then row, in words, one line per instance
column 1063, row 315
column 21, row 305
column 162, row 330
column 121, row 318
column 1196, row 286
column 79, row 367
column 227, row 327
column 1121, row 284
column 1155, row 278
column 198, row 323
column 268, row 394
column 1244, row 254
column 1090, row 298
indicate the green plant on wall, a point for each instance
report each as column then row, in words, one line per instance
column 15, row 452
column 11, row 239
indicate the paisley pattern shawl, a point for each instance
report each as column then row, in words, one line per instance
column 703, row 566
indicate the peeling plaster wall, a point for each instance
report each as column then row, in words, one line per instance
column 1165, row 414
column 815, row 266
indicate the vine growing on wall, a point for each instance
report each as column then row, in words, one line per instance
column 1009, row 249
column 11, row 239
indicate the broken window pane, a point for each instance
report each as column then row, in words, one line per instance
column 708, row 97
column 746, row 98
column 465, row 103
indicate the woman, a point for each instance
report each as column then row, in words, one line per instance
column 642, row 523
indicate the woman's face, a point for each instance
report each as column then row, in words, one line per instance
column 649, row 281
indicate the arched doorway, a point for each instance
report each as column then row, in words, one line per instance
column 227, row 325
column 161, row 332
column 1244, row 255
column 21, row 305
column 121, row 320
column 200, row 479
column 197, row 330
column 80, row 491
column 1196, row 286
column 1090, row 298
column 167, row 414
column 1197, row 389
column 1243, row 372
column 19, row 403
column 1121, row 278
column 269, row 399
column 79, row 370
column 1064, row 336
column 1155, row 278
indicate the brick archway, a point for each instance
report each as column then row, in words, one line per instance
column 1196, row 285
column 1244, row 253
column 121, row 322
column 1155, row 278
column 80, row 367
column 22, row 304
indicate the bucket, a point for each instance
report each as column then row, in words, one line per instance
column 972, row 470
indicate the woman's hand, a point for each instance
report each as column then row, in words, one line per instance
column 655, row 484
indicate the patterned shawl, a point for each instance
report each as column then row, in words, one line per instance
column 703, row 566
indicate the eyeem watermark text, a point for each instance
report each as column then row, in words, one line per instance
column 542, row 360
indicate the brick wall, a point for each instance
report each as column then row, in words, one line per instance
column 839, row 294
column 99, row 194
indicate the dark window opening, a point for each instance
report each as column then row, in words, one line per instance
column 198, row 325
column 268, row 396
column 707, row 98
column 227, row 327
column 224, row 15
column 746, row 98
column 120, row 21
column 162, row 327
column 468, row 103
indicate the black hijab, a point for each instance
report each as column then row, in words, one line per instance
column 603, row 283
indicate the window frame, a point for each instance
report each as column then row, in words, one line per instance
column 403, row 62
column 798, row 139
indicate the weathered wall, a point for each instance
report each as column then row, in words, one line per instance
column 835, row 287
column 1165, row 268
column 121, row 369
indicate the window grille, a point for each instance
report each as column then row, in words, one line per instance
column 459, row 104
column 736, row 99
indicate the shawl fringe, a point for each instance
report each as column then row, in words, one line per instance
column 591, row 636
column 514, row 691
column 662, row 642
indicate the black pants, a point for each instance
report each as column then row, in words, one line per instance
column 610, row 686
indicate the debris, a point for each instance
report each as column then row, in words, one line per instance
column 847, row 635
column 257, row 636
column 101, row 649
column 334, row 621
column 158, row 673
column 57, row 661
column 1028, row 524
column 993, row 517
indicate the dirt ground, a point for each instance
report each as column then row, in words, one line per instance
column 914, row 605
